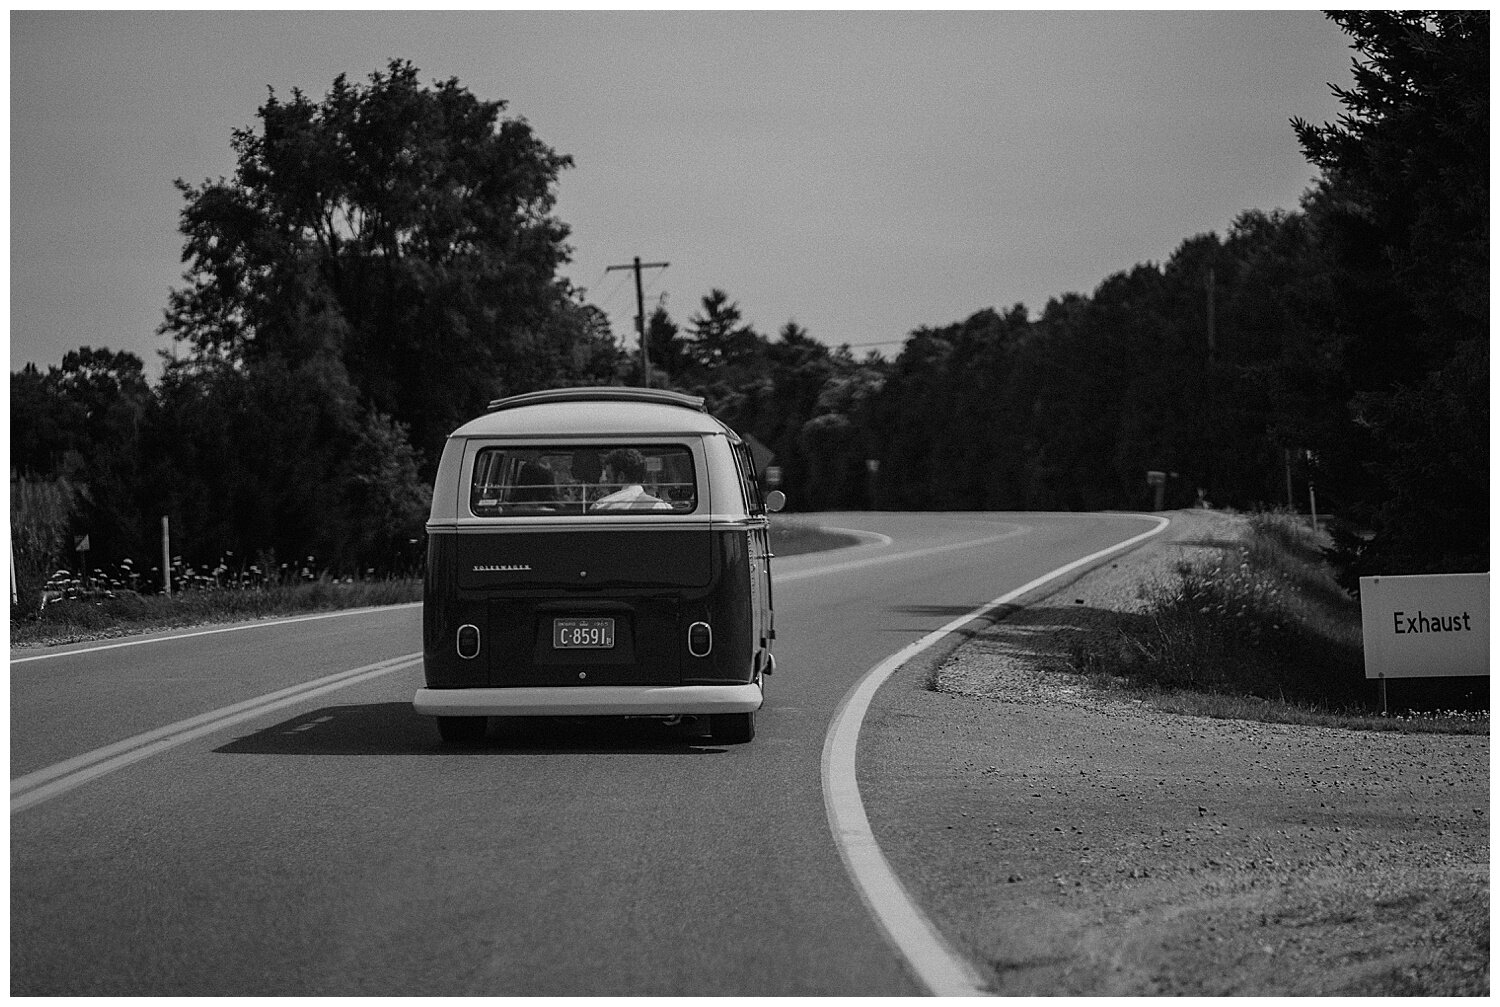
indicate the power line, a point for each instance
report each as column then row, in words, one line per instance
column 605, row 296
column 652, row 285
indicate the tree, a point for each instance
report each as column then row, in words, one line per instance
column 1407, row 167
column 90, row 405
column 720, row 339
column 798, row 368
column 42, row 424
column 1400, row 225
column 385, row 503
column 836, row 442
column 403, row 231
column 280, row 461
column 669, row 354
column 80, row 425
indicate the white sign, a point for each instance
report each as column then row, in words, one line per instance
column 1426, row 627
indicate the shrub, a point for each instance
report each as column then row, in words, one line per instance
column 1265, row 619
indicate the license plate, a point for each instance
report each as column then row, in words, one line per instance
column 583, row 634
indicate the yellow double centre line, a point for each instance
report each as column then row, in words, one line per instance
column 44, row 784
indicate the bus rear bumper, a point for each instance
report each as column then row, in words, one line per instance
column 593, row 700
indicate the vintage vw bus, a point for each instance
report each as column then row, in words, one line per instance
column 597, row 551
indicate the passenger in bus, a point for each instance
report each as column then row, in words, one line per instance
column 536, row 487
column 626, row 467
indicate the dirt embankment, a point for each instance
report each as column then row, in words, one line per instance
column 1073, row 842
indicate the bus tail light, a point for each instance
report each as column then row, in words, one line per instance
column 700, row 639
column 468, row 641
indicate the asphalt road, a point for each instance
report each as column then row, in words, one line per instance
column 272, row 837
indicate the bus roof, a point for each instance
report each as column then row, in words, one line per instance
column 659, row 396
column 595, row 412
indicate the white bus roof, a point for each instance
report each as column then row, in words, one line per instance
column 594, row 412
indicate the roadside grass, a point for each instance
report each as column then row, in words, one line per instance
column 1262, row 632
column 72, row 614
column 88, row 618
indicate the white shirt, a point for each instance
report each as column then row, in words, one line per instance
column 631, row 498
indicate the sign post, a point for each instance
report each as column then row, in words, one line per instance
column 81, row 547
column 166, row 557
column 1158, row 482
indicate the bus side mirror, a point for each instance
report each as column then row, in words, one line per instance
column 775, row 500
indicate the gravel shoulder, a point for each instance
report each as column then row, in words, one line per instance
column 1072, row 841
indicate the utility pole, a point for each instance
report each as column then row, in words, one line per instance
column 1211, row 343
column 640, row 311
column 1312, row 495
column 166, row 557
column 1291, row 501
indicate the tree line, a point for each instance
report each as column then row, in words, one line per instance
column 385, row 261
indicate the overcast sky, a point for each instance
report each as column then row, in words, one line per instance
column 863, row 174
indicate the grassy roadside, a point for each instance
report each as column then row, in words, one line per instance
column 128, row 613
column 97, row 618
column 1262, row 632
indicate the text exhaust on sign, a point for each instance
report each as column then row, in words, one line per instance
column 1426, row 627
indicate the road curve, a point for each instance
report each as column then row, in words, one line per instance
column 323, row 842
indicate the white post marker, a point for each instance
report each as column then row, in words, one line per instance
column 166, row 557
column 1427, row 626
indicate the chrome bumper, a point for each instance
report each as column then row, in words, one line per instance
column 590, row 700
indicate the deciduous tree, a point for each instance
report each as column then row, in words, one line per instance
column 405, row 231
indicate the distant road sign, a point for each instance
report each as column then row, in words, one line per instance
column 1426, row 627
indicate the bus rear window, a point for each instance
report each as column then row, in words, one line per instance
column 562, row 481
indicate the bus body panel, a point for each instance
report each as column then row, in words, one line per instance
column 669, row 610
column 695, row 576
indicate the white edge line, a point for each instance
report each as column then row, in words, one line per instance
column 65, row 776
column 258, row 624
column 939, row 968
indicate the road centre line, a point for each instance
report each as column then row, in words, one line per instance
column 884, row 540
column 257, row 624
column 44, row 784
column 938, row 967
column 77, row 762
column 853, row 564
